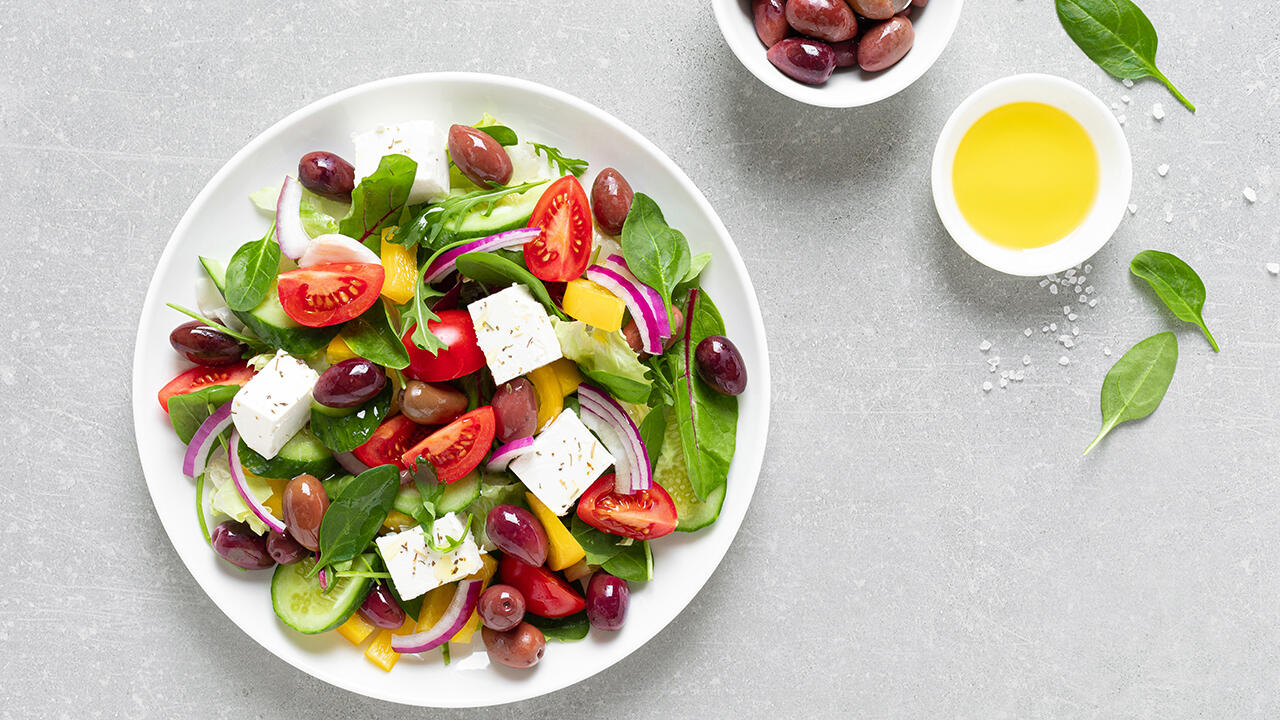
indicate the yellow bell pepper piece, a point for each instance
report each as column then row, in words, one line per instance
column 355, row 629
column 586, row 301
column 379, row 651
column 466, row 632
column 484, row 574
column 489, row 566
column 400, row 264
column 338, row 351
column 546, row 387
column 562, row 549
column 434, row 603
column 568, row 376
column 398, row 522
column 275, row 503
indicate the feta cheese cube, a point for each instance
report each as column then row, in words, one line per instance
column 566, row 458
column 416, row 568
column 275, row 404
column 514, row 332
column 422, row 142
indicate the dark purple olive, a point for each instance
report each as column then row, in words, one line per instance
column 351, row 382
column 611, row 197
column 829, row 20
column 517, row 533
column 519, row 647
column 304, row 503
column 284, row 549
column 720, row 365
column 203, row 345
column 770, row 18
column 501, row 607
column 381, row 609
column 846, row 52
column 481, row 158
column 515, row 407
column 240, row 546
column 632, row 332
column 324, row 173
column 808, row 61
column 607, row 601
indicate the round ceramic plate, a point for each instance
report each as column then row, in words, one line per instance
column 221, row 218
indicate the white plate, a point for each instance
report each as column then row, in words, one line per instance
column 221, row 218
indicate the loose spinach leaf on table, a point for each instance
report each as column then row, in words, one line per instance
column 1136, row 384
column 634, row 563
column 354, row 516
column 1118, row 36
column 498, row 271
column 1176, row 284
column 252, row 271
column 565, row 629
column 371, row 336
column 565, row 165
column 378, row 201
column 187, row 412
column 656, row 253
column 708, row 421
column 344, row 433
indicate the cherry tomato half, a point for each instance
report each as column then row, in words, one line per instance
column 545, row 594
column 199, row 378
column 562, row 250
column 388, row 443
column 457, row 448
column 462, row 357
column 642, row 515
column 328, row 294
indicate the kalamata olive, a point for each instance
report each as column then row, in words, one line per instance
column 351, row 382
column 607, row 601
column 808, row 61
column 305, row 503
column 519, row 647
column 240, row 546
column 770, row 18
column 481, row 158
column 381, row 609
column 919, row 3
column 611, row 197
column 632, row 333
column 501, row 607
column 324, row 173
column 204, row 345
column 284, row 549
column 829, row 20
column 885, row 44
column 515, row 407
column 878, row 9
column 846, row 52
column 431, row 404
column 517, row 533
column 720, row 365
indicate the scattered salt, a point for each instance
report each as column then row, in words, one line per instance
column 1127, row 82
column 1064, row 361
column 1121, row 118
column 1026, row 359
column 1075, row 331
column 1066, row 309
column 1071, row 273
column 1088, row 290
column 1273, row 268
column 1088, row 269
column 1157, row 111
column 1027, row 332
column 1004, row 382
column 1072, row 317
column 1053, row 289
column 1163, row 169
column 985, row 346
column 1044, row 329
column 1126, row 98
column 1250, row 195
column 1106, row 351
column 1044, row 283
column 1093, row 302
column 986, row 387
column 1068, row 343
column 1053, row 327
column 1133, row 209
column 1084, row 298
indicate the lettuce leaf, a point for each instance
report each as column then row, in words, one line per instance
column 319, row 214
column 605, row 358
column 226, row 500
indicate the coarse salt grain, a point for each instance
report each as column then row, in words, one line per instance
column 1157, row 111
column 1093, row 302
column 1084, row 298
column 1072, row 317
column 1053, row 289
column 1106, row 351
column 1273, row 268
column 1026, row 359
column 1066, row 309
column 1163, row 169
column 1044, row 283
column 1121, row 118
column 985, row 346
column 1064, row 361
column 1088, row 290
column 1250, row 195
column 1053, row 327
column 1075, row 331
column 1088, row 269
column 1004, row 382
column 1126, row 99
column 1027, row 332
column 986, row 387
column 1133, row 209
column 1127, row 82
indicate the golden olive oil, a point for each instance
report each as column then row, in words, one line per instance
column 1025, row 175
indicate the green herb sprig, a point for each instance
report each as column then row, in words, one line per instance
column 564, row 165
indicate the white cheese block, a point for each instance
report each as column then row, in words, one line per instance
column 416, row 568
column 514, row 332
column 566, row 458
column 422, row 142
column 275, row 404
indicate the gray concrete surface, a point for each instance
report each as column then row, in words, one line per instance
column 917, row 547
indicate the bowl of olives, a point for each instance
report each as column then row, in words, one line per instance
column 837, row 53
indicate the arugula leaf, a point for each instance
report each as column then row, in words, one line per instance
column 653, row 431
column 656, row 253
column 708, row 421
column 1116, row 35
column 188, row 411
column 378, row 200
column 344, row 433
column 430, row 226
column 599, row 546
column 354, row 516
column 503, row 134
column 1136, row 384
column 633, row 564
column 565, row 165
column 565, row 629
column 252, row 271
column 498, row 271
column 1176, row 284
column 372, row 337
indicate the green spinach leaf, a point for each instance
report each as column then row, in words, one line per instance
column 344, row 433
column 653, row 431
column 378, row 200
column 1176, row 284
column 498, row 271
column 656, row 253
column 371, row 336
column 633, row 564
column 1136, row 384
column 503, row 134
column 354, row 516
column 599, row 546
column 1118, row 36
column 564, row 165
column 187, row 412
column 708, row 421
column 252, row 271
column 566, row 629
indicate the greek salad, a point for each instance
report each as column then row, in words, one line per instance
column 448, row 393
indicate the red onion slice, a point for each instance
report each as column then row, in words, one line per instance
column 350, row 463
column 323, row 575
column 445, row 264
column 455, row 616
column 502, row 457
column 637, row 302
column 290, row 233
column 599, row 422
column 619, row 265
column 597, row 401
column 197, row 456
column 242, row 486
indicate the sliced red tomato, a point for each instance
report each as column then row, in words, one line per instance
column 642, row 515
column 328, row 294
column 201, row 377
column 545, row 593
column 457, row 448
column 462, row 357
column 562, row 250
column 389, row 442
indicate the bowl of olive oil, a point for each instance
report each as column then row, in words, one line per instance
column 1031, row 175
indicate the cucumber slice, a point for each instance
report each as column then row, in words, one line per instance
column 302, row 605
column 270, row 323
column 511, row 213
column 457, row 496
column 671, row 473
column 302, row 454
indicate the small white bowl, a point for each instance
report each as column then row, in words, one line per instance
column 1114, row 164
column 848, row 87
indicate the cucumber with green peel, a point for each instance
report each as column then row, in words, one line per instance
column 457, row 496
column 303, row 453
column 270, row 322
column 670, row 472
column 300, row 603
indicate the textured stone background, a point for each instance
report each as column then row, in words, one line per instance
column 917, row 547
